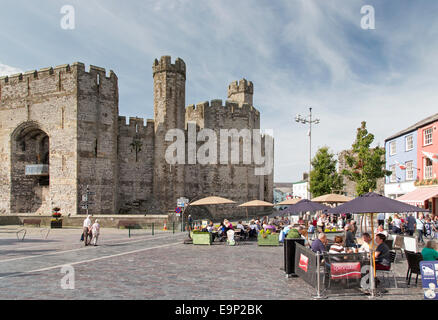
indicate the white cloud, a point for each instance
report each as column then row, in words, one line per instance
column 6, row 70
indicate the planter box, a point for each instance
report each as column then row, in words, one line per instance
column 56, row 224
column 203, row 238
column 270, row 240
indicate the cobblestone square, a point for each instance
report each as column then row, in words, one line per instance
column 157, row 267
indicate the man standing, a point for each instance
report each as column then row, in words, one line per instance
column 411, row 225
column 87, row 230
column 420, row 228
column 381, row 219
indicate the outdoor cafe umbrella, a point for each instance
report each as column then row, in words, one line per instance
column 305, row 205
column 371, row 203
column 255, row 203
column 332, row 198
column 288, row 202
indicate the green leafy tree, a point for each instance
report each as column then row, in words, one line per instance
column 324, row 178
column 366, row 165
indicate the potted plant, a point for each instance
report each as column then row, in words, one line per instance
column 56, row 222
column 267, row 238
column 202, row 238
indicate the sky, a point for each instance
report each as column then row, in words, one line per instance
column 298, row 53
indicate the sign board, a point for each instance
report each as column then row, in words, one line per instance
column 84, row 207
column 204, row 223
column 84, row 198
column 178, row 210
column 410, row 244
column 182, row 202
column 429, row 277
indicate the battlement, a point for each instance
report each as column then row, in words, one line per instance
column 136, row 126
column 231, row 107
column 165, row 64
column 51, row 71
column 243, row 86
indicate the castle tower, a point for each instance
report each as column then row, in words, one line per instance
column 241, row 92
column 169, row 113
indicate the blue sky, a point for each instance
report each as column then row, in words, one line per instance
column 298, row 53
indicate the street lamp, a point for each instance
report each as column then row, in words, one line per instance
column 310, row 121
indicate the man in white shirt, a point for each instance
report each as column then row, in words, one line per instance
column 87, row 230
column 366, row 243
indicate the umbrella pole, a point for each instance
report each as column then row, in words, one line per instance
column 372, row 260
column 247, row 221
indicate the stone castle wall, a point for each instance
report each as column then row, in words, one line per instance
column 72, row 115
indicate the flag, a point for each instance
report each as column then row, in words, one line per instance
column 402, row 167
column 432, row 156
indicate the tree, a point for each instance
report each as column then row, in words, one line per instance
column 366, row 165
column 324, row 178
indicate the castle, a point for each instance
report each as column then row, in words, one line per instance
column 60, row 131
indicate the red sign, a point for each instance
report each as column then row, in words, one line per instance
column 345, row 270
column 178, row 210
column 304, row 262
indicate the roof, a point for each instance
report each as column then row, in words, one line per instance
column 298, row 182
column 419, row 195
column 414, row 127
column 282, row 184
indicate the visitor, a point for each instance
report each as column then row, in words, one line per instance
column 270, row 226
column 381, row 219
column 341, row 223
column 95, row 230
column 86, row 231
column 311, row 231
column 382, row 231
column 435, row 227
column 420, row 228
column 396, row 224
column 319, row 245
column 354, row 228
column 382, row 254
column 428, row 228
column 365, row 247
column 350, row 241
column 410, row 225
column 190, row 222
column 337, row 247
column 429, row 252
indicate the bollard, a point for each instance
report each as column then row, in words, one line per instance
column 152, row 228
column 318, row 275
column 129, row 232
column 173, row 227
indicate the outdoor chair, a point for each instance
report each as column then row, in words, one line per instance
column 398, row 244
column 391, row 269
column 413, row 265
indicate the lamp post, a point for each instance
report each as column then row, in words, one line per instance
column 310, row 121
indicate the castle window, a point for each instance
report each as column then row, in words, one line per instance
column 170, row 93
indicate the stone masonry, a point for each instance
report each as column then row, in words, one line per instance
column 67, row 119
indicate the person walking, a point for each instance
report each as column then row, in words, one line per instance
column 95, row 230
column 381, row 219
column 420, row 228
column 411, row 224
column 87, row 230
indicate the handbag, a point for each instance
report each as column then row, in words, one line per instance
column 82, row 237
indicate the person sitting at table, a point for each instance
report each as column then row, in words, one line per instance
column 350, row 241
column 222, row 232
column 228, row 225
column 429, row 252
column 382, row 231
column 319, row 245
column 270, row 226
column 382, row 254
column 253, row 229
column 366, row 243
column 337, row 247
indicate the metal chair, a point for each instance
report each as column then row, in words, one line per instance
column 413, row 265
column 392, row 255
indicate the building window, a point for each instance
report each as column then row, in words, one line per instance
column 427, row 136
column 428, row 169
column 393, row 177
column 409, row 170
column 392, row 148
column 409, row 143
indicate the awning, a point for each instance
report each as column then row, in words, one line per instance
column 418, row 196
